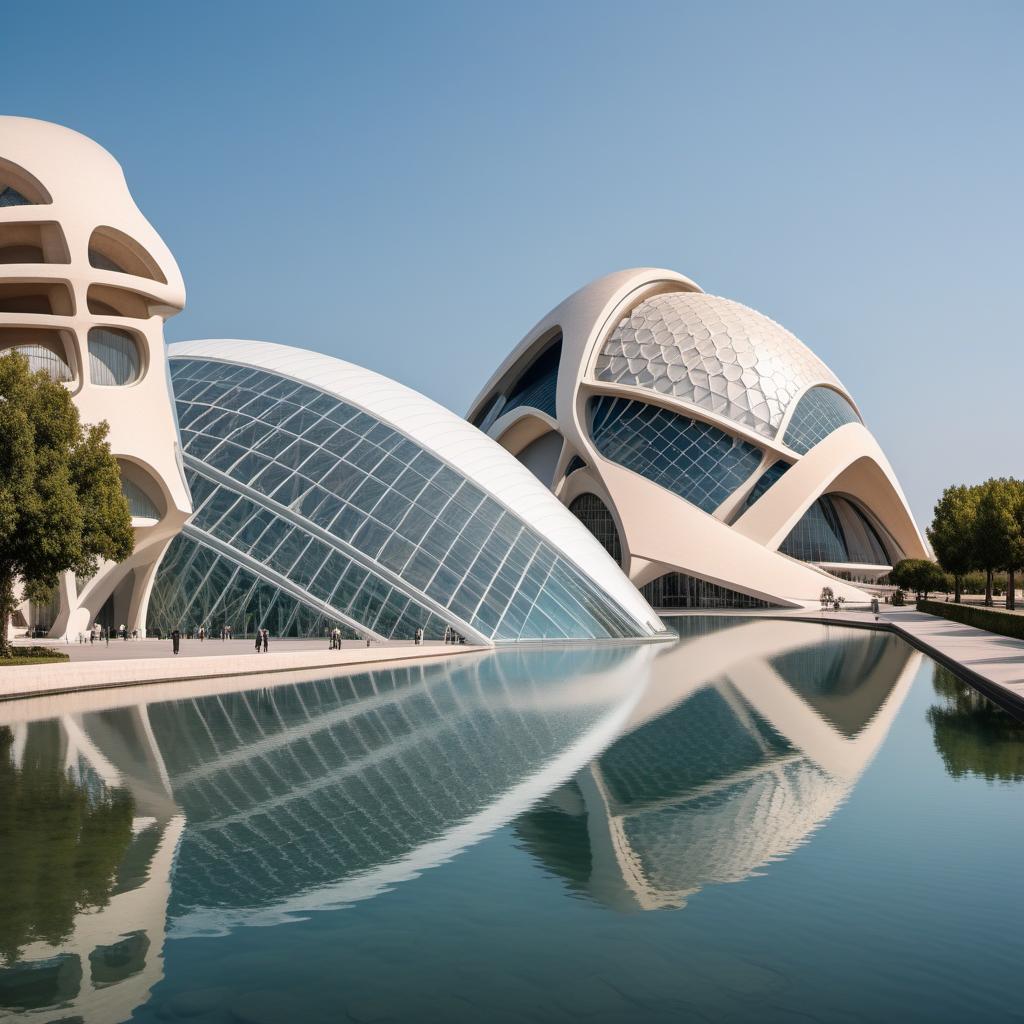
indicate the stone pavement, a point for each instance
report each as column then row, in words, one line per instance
column 150, row 661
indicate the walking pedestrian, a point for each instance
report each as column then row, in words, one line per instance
column 175, row 640
column 266, row 640
column 259, row 640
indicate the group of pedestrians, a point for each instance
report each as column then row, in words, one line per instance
column 335, row 638
column 262, row 640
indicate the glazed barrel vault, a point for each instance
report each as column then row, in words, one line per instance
column 709, row 451
column 327, row 495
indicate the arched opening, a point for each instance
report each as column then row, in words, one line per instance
column 106, row 301
column 541, row 456
column 835, row 530
column 33, row 243
column 110, row 249
column 45, row 349
column 533, row 386
column 19, row 188
column 592, row 512
column 50, row 298
column 114, row 357
column 820, row 411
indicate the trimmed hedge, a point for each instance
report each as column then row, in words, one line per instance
column 35, row 655
column 991, row 619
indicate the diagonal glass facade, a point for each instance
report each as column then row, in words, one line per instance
column 695, row 460
column 817, row 414
column 298, row 486
column 770, row 476
column 834, row 529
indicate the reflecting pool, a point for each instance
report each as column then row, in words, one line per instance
column 767, row 820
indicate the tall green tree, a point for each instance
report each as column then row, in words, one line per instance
column 61, row 505
column 997, row 533
column 952, row 532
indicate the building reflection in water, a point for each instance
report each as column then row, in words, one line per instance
column 747, row 740
column 638, row 773
column 297, row 798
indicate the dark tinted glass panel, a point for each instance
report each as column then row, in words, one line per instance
column 817, row 414
column 592, row 512
column 677, row 590
column 695, row 460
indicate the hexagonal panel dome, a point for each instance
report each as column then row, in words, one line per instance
column 716, row 354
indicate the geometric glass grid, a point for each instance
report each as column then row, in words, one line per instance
column 818, row 536
column 12, row 197
column 816, row 415
column 678, row 590
column 592, row 512
column 770, row 476
column 365, row 519
column 836, row 530
column 695, row 460
column 199, row 587
column 113, row 357
column 714, row 353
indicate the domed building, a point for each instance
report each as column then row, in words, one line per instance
column 329, row 496
column 86, row 284
column 711, row 453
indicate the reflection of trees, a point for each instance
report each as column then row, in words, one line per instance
column 60, row 843
column 972, row 735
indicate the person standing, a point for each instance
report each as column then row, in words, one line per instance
column 266, row 640
column 175, row 640
column 259, row 640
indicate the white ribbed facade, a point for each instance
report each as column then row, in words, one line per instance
column 85, row 286
column 720, row 461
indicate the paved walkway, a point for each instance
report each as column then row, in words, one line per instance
column 119, row 650
column 149, row 661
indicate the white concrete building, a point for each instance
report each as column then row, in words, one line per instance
column 85, row 287
column 715, row 457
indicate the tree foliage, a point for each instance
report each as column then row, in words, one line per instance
column 919, row 575
column 980, row 528
column 61, row 505
column 60, row 843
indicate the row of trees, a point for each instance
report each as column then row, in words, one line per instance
column 980, row 528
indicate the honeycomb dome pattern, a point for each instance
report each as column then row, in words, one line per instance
column 715, row 354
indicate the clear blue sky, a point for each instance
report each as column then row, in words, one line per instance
column 410, row 186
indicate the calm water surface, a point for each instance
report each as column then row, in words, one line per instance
column 766, row 821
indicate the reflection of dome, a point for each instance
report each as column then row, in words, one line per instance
column 737, row 775
column 641, row 401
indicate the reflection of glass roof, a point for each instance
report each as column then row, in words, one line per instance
column 297, row 788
